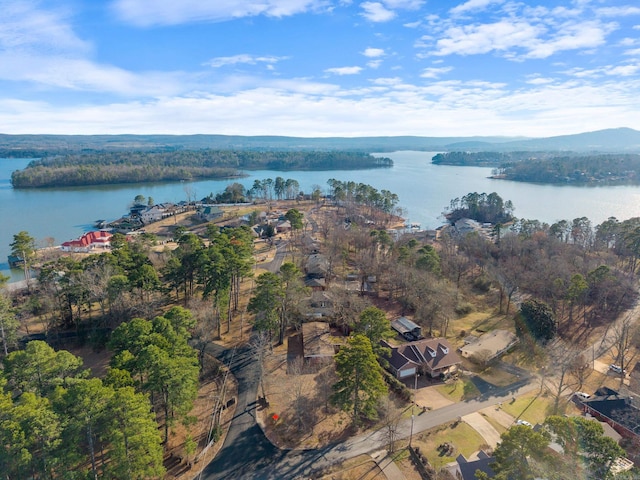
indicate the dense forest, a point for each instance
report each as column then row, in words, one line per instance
column 480, row 207
column 549, row 167
column 489, row 159
column 137, row 167
column 589, row 170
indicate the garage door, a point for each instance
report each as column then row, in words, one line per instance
column 408, row 372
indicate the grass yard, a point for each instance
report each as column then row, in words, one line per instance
column 497, row 377
column 459, row 390
column 465, row 439
column 532, row 407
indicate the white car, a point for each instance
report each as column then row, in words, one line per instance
column 617, row 369
column 525, row 423
column 582, row 395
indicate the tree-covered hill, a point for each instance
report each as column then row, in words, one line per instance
column 142, row 166
column 583, row 170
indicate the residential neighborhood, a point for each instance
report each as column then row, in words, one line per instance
column 363, row 350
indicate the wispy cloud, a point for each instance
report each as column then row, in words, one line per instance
column 473, row 5
column 27, row 28
column 623, row 11
column 40, row 47
column 344, row 70
column 404, row 4
column 435, row 72
column 484, row 38
column 243, row 58
column 171, row 12
column 392, row 108
column 517, row 38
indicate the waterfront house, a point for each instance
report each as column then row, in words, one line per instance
column 210, row 213
column 88, row 242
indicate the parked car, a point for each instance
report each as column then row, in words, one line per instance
column 582, row 395
column 525, row 423
column 617, row 369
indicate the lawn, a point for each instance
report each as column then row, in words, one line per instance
column 497, row 377
column 464, row 438
column 459, row 390
column 531, row 407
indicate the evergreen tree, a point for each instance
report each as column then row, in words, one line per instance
column 360, row 383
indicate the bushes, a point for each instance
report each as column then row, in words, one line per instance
column 397, row 386
column 464, row 308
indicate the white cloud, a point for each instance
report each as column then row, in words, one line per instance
column 83, row 75
column 623, row 70
column 628, row 42
column 624, row 11
column 445, row 108
column 374, row 63
column 373, row 52
column 478, row 39
column 387, row 81
column 39, row 47
column 376, row 12
column 518, row 39
column 405, row 4
column 471, row 5
column 26, row 28
column 171, row 12
column 435, row 72
column 242, row 59
column 539, row 81
column 344, row 70
column 572, row 37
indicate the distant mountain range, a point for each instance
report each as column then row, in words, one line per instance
column 602, row 141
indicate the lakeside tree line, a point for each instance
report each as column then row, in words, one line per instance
column 551, row 167
column 136, row 167
column 591, row 170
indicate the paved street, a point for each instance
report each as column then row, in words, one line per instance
column 247, row 454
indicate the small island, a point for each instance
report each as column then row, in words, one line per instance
column 105, row 168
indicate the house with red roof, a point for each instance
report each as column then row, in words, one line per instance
column 88, row 242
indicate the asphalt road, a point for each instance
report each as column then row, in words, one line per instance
column 247, row 454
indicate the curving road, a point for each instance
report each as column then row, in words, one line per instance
column 247, row 454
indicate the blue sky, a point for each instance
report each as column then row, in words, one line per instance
column 319, row 67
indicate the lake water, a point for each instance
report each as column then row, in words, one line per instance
column 424, row 190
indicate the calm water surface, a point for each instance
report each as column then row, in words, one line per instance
column 424, row 190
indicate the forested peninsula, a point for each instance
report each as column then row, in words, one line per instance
column 550, row 168
column 102, row 168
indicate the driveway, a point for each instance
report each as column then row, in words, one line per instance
column 430, row 397
column 485, row 429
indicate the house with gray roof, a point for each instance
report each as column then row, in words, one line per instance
column 431, row 356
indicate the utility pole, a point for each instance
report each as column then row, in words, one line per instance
column 411, row 431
